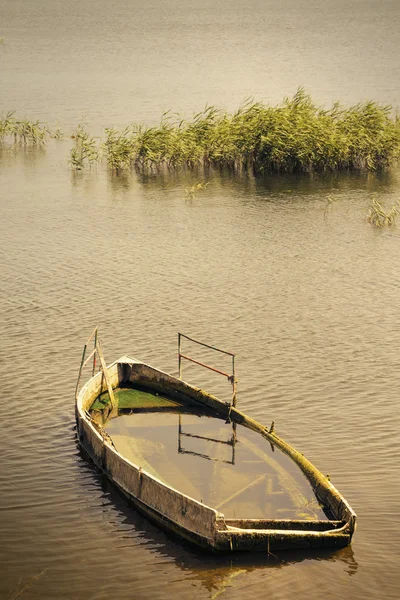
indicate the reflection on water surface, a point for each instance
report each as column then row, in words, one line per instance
column 228, row 467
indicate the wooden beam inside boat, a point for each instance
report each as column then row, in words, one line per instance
column 105, row 374
column 241, row 491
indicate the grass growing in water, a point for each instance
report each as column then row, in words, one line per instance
column 296, row 136
column 119, row 149
column 197, row 187
column 23, row 131
column 378, row 216
column 20, row 591
column 84, row 151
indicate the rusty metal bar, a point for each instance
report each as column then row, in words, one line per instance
column 228, row 462
column 231, row 378
column 206, row 345
column 231, row 442
column 234, row 425
column 208, row 439
column 206, row 366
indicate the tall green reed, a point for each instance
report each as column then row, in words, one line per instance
column 295, row 136
column 23, row 131
column 84, row 152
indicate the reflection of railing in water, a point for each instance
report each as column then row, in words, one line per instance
column 231, row 377
column 231, row 442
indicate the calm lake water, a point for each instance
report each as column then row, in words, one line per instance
column 283, row 271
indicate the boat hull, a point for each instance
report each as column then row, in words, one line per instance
column 185, row 516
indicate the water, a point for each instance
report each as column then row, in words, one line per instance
column 304, row 291
column 230, row 468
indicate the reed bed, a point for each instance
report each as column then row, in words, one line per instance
column 295, row 136
column 23, row 131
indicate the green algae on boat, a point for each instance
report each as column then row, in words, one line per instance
column 130, row 397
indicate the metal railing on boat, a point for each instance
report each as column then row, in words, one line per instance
column 230, row 376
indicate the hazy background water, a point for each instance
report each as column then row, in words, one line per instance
column 305, row 291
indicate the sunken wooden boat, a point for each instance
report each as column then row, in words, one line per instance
column 143, row 400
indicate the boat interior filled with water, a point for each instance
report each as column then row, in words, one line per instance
column 200, row 467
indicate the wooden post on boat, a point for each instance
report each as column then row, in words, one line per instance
column 95, row 346
column 83, row 361
column 80, row 370
column 105, row 374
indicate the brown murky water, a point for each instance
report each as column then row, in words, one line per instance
column 304, row 291
column 225, row 466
